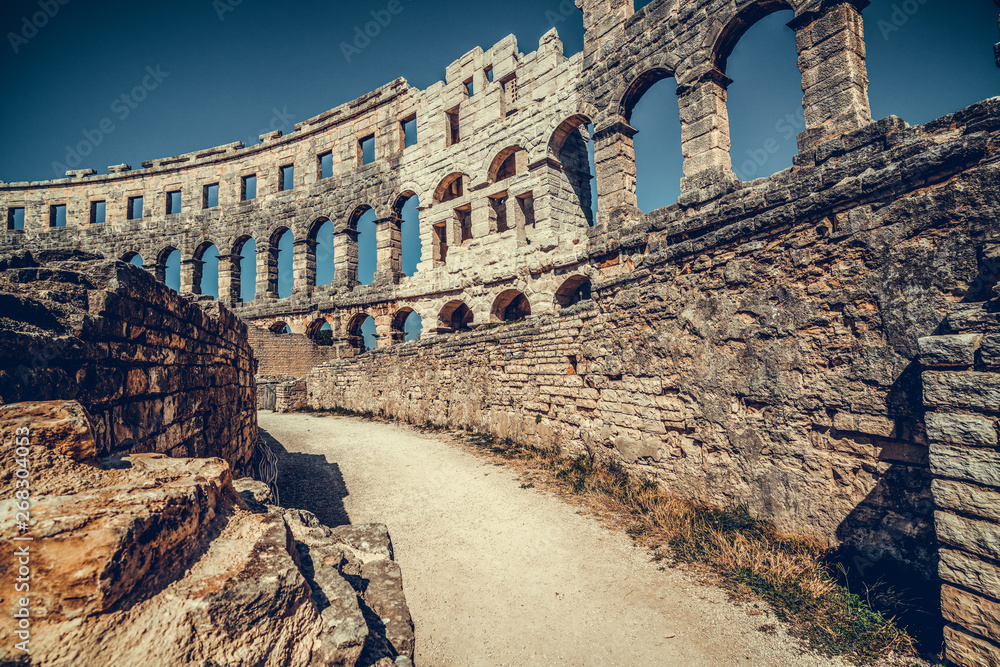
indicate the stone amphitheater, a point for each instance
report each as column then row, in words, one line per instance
column 822, row 344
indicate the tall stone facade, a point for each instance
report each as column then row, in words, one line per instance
column 755, row 342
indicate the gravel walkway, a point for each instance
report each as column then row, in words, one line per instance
column 499, row 575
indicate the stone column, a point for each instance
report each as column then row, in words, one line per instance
column 229, row 278
column 961, row 382
column 614, row 157
column 389, row 251
column 705, row 141
column 191, row 276
column 383, row 331
column 345, row 257
column 263, row 288
column 303, row 266
column 831, row 46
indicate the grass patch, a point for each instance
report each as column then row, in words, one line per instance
column 336, row 412
column 798, row 579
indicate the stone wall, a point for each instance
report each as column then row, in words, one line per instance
column 762, row 350
column 157, row 372
column 961, row 382
column 292, row 355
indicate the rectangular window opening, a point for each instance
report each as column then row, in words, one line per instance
column 489, row 74
column 441, row 242
column 464, row 215
column 508, row 98
column 498, row 214
column 57, row 215
column 527, row 205
column 409, row 131
column 98, row 212
column 210, row 197
column 287, row 179
column 15, row 217
column 454, row 134
column 134, row 208
column 248, row 188
column 366, row 147
column 470, row 88
column 173, row 202
column 325, row 165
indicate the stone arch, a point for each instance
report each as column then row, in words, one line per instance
column 272, row 258
column 313, row 257
column 570, row 146
column 280, row 327
column 355, row 337
column 574, row 289
column 507, row 163
column 198, row 266
column 455, row 316
column 405, row 235
column 314, row 329
column 728, row 36
column 162, row 258
column 399, row 319
column 236, row 266
column 511, row 304
column 639, row 86
column 453, row 186
column 131, row 256
column 354, row 233
column 563, row 131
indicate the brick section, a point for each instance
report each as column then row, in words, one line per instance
column 963, row 403
column 157, row 372
column 292, row 355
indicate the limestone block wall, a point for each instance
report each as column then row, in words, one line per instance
column 763, row 350
column 961, row 390
column 293, row 355
column 157, row 372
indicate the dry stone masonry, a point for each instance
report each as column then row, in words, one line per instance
column 789, row 342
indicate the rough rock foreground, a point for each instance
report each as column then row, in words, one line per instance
column 149, row 560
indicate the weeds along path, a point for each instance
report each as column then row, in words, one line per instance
column 496, row 574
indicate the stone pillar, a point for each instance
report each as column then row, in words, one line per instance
column 263, row 288
column 191, row 276
column 303, row 266
column 961, row 383
column 831, row 46
column 614, row 158
column 229, row 278
column 389, row 251
column 345, row 257
column 705, row 138
column 383, row 331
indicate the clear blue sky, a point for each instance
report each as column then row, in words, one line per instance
column 227, row 70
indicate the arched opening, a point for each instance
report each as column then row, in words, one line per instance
column 320, row 332
column 321, row 251
column 133, row 258
column 650, row 106
column 454, row 317
column 508, row 163
column 280, row 328
column 453, row 186
column 572, row 146
column 361, row 332
column 510, row 306
column 168, row 268
column 406, row 326
column 362, row 222
column 206, row 275
column 281, row 278
column 407, row 209
column 245, row 275
column 757, row 52
column 573, row 290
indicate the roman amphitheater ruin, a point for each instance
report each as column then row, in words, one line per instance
column 822, row 344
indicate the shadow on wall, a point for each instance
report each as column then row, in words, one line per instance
column 308, row 482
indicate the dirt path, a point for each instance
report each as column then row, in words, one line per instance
column 500, row 575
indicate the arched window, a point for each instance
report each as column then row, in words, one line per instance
column 362, row 221
column 452, row 187
column 510, row 306
column 407, row 210
column 168, row 268
column 320, row 332
column 455, row 316
column 573, row 290
column 406, row 326
column 206, row 275
column 508, row 163
column 764, row 101
column 321, row 249
column 133, row 258
column 361, row 332
column 572, row 146
column 650, row 106
column 245, row 273
column 280, row 328
column 281, row 278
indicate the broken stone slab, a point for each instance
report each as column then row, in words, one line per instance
column 60, row 427
column 256, row 493
column 961, row 429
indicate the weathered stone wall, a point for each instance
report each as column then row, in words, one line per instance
column 761, row 351
column 287, row 354
column 157, row 372
column 961, row 383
